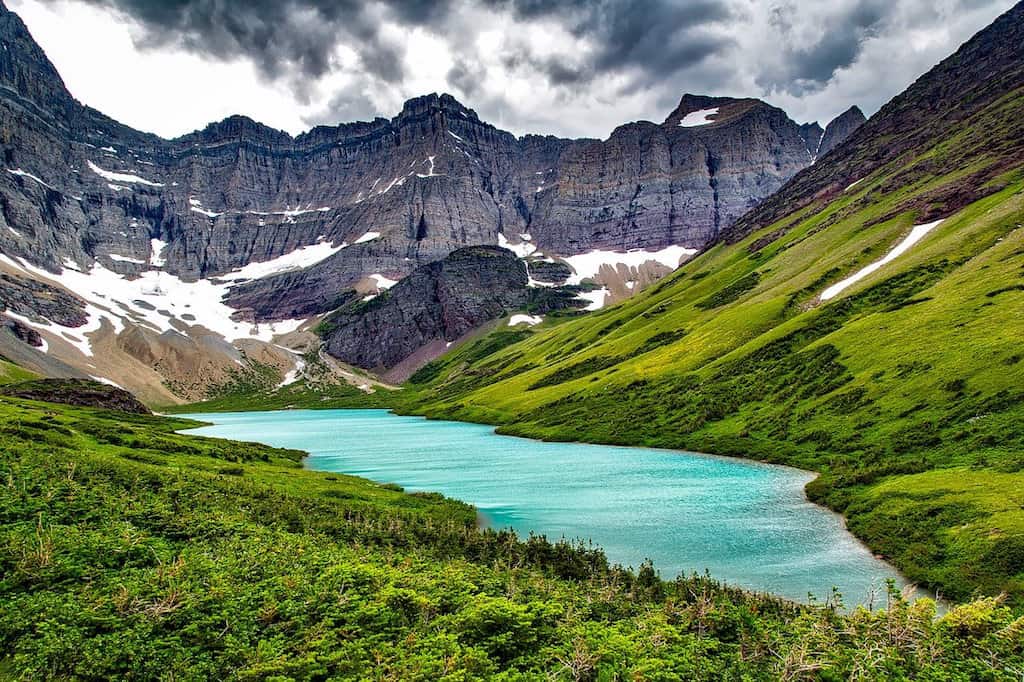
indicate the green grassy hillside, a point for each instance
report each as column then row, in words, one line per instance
column 128, row 551
column 11, row 373
column 906, row 391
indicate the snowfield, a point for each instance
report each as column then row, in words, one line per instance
column 525, row 319
column 522, row 249
column 915, row 236
column 701, row 117
column 155, row 299
column 302, row 257
column 587, row 265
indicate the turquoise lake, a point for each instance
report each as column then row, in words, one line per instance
column 747, row 523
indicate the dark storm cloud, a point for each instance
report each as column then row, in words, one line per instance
column 650, row 50
column 292, row 38
column 840, row 39
column 654, row 38
column 297, row 38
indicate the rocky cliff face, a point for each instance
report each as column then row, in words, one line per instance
column 840, row 128
column 438, row 302
column 239, row 231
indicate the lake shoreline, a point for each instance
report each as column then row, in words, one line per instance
column 485, row 520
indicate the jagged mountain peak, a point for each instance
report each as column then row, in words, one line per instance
column 700, row 110
column 237, row 127
column 26, row 70
column 840, row 128
column 435, row 103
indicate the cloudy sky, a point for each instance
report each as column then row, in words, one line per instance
column 569, row 68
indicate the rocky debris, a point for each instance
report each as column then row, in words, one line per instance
column 440, row 301
column 840, row 128
column 81, row 392
column 549, row 272
column 38, row 300
column 22, row 332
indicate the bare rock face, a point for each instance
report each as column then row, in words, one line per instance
column 811, row 134
column 34, row 300
column 439, row 301
column 79, row 188
column 680, row 182
column 840, row 128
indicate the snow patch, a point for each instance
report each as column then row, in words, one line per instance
column 125, row 259
column 121, row 177
column 595, row 298
column 156, row 249
column 587, row 265
column 382, row 281
column 294, row 374
column 368, row 237
column 108, row 382
column 525, row 319
column 430, row 173
column 208, row 214
column 302, row 257
column 915, row 236
column 698, row 118
column 26, row 174
column 522, row 249
column 197, row 207
column 852, row 185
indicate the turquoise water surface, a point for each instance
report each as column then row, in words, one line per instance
column 747, row 523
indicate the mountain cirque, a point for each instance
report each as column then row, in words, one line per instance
column 239, row 232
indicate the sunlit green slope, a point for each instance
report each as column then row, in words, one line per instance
column 128, row 551
column 906, row 391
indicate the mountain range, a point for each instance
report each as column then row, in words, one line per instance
column 846, row 300
column 187, row 257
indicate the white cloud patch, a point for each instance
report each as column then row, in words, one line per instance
column 574, row 69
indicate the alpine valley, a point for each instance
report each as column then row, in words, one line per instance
column 191, row 262
column 846, row 300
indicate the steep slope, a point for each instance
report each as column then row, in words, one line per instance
column 866, row 323
column 838, row 129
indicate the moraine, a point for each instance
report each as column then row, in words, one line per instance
column 748, row 523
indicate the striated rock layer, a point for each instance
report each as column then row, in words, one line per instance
column 181, row 254
column 81, row 188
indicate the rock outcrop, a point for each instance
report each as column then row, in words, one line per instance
column 81, row 392
column 840, row 128
column 239, row 232
column 438, row 302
